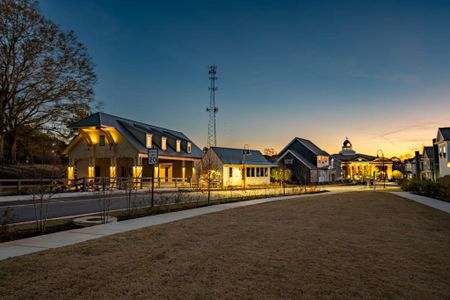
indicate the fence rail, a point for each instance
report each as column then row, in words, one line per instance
column 28, row 186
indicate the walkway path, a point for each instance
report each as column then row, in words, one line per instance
column 438, row 204
column 70, row 237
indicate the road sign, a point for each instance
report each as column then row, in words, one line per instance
column 152, row 156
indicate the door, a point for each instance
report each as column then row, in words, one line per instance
column 165, row 172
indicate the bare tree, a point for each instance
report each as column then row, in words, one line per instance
column 46, row 74
column 41, row 196
column 210, row 171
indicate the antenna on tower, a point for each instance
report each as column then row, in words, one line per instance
column 212, row 109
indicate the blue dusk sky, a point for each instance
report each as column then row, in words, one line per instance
column 375, row 71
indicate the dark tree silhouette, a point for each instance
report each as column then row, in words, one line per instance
column 46, row 74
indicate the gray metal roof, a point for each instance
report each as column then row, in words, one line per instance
column 308, row 144
column 445, row 131
column 429, row 151
column 297, row 155
column 311, row 146
column 124, row 126
column 233, row 156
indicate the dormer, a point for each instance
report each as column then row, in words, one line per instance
column 189, row 147
column 163, row 143
column 178, row 147
column 148, row 140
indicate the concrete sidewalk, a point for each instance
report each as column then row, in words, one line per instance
column 70, row 237
column 438, row 204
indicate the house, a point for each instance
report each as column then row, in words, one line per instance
column 427, row 163
column 361, row 167
column 307, row 162
column 237, row 167
column 442, row 144
column 110, row 146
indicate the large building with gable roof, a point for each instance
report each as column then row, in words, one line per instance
column 110, row 146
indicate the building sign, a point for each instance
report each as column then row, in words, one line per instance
column 152, row 156
column 288, row 161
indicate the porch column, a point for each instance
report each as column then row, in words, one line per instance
column 183, row 172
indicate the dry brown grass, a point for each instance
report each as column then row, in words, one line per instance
column 368, row 245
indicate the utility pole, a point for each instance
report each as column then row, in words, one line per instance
column 212, row 109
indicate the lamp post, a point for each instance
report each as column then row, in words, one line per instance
column 382, row 166
column 244, row 154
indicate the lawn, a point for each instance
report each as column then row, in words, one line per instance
column 360, row 244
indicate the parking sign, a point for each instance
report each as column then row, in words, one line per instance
column 152, row 156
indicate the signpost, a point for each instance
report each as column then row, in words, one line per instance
column 153, row 160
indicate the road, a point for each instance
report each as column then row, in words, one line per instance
column 24, row 211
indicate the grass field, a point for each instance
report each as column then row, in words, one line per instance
column 352, row 245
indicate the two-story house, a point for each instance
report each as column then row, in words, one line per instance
column 110, row 146
column 442, row 146
column 427, row 163
column 307, row 162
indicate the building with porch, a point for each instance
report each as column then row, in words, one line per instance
column 237, row 167
column 110, row 146
column 361, row 167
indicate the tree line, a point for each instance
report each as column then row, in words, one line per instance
column 47, row 78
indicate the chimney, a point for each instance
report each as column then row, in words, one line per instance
column 418, row 167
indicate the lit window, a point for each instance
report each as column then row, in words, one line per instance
column 164, row 143
column 189, row 147
column 178, row 145
column 102, row 140
column 148, row 141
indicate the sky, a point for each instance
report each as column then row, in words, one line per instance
column 377, row 72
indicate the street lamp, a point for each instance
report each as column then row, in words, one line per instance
column 245, row 152
column 382, row 167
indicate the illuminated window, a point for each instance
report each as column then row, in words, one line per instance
column 164, row 143
column 189, row 147
column 148, row 140
column 102, row 140
column 178, row 145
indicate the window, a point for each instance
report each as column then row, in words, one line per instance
column 102, row 140
column 258, row 171
column 266, row 172
column 253, row 172
column 230, row 172
column 163, row 143
column 248, row 172
column 178, row 145
column 189, row 147
column 148, row 141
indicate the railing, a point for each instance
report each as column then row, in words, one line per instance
column 29, row 186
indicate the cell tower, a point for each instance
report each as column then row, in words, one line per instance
column 212, row 109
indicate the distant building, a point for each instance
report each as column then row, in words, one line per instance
column 111, row 146
column 357, row 166
column 238, row 167
column 442, row 146
column 427, row 163
column 307, row 162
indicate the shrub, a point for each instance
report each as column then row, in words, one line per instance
column 436, row 189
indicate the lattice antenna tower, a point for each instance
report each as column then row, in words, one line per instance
column 212, row 109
